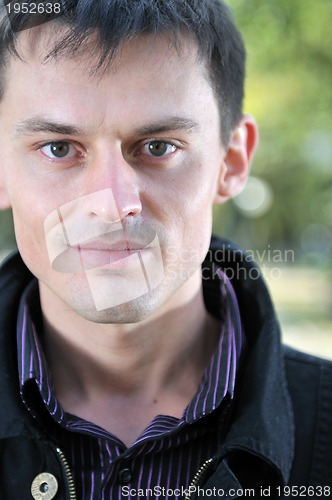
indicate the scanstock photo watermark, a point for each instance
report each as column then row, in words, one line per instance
column 185, row 493
column 215, row 492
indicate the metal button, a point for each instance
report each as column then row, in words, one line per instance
column 44, row 486
column 125, row 476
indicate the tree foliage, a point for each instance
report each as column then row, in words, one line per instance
column 289, row 82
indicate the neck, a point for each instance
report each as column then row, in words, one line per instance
column 164, row 354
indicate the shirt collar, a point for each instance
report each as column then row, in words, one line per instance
column 219, row 377
column 32, row 365
column 217, row 381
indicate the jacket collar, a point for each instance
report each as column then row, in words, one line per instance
column 262, row 419
column 14, row 277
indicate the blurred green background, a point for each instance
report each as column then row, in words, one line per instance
column 284, row 215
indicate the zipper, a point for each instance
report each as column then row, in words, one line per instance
column 70, row 480
column 198, row 476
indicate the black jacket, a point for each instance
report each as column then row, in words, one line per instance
column 278, row 428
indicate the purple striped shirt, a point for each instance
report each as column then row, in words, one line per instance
column 170, row 451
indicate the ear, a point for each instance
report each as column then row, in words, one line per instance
column 239, row 154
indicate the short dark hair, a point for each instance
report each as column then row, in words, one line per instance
column 208, row 22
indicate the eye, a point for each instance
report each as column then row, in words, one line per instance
column 160, row 148
column 60, row 149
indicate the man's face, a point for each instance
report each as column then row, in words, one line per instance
column 111, row 178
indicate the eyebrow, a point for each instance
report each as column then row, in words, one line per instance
column 173, row 123
column 36, row 125
column 32, row 125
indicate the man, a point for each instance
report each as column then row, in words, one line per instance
column 128, row 368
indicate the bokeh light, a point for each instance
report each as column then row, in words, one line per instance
column 256, row 199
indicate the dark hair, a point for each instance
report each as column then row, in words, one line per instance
column 208, row 22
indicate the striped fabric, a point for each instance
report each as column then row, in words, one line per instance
column 166, row 456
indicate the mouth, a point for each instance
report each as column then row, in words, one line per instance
column 98, row 253
column 109, row 251
column 105, row 245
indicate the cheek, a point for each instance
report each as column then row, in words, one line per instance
column 189, row 188
column 193, row 197
column 29, row 230
column 197, row 230
column 187, row 210
column 198, row 223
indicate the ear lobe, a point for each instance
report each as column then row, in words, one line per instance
column 236, row 166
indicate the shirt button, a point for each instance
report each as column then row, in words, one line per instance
column 125, row 476
column 44, row 486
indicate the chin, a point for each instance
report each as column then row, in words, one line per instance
column 132, row 311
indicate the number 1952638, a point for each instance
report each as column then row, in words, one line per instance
column 33, row 8
column 304, row 491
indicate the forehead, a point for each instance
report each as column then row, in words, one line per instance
column 152, row 52
column 148, row 76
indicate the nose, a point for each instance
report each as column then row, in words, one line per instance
column 116, row 193
column 109, row 206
